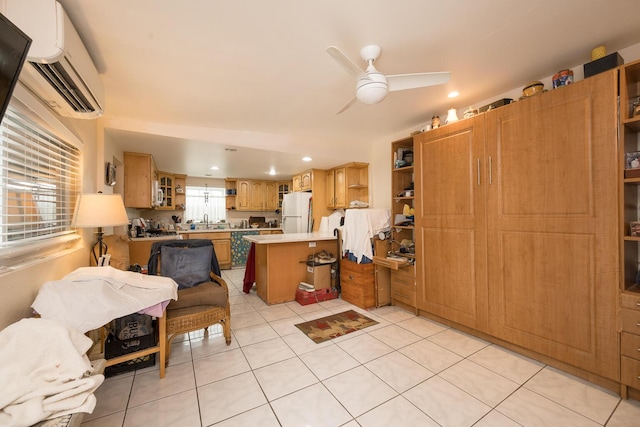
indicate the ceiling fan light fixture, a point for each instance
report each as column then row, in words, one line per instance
column 371, row 92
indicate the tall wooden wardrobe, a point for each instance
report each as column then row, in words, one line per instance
column 517, row 225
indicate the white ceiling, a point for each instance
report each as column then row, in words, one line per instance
column 186, row 79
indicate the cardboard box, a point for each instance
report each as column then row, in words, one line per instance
column 312, row 297
column 319, row 276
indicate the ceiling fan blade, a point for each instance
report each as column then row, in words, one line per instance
column 411, row 81
column 347, row 105
column 346, row 63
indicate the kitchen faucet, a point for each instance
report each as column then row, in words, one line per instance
column 206, row 220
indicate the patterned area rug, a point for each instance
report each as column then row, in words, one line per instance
column 326, row 328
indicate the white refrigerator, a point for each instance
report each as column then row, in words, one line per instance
column 296, row 213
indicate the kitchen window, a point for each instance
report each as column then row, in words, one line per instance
column 203, row 201
column 40, row 176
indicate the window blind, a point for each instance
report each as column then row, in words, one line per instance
column 39, row 182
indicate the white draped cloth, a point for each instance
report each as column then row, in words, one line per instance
column 360, row 226
column 44, row 372
column 91, row 297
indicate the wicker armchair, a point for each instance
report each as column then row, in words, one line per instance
column 203, row 296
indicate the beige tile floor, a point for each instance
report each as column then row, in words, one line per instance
column 405, row 371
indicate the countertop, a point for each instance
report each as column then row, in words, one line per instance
column 222, row 230
column 213, row 230
column 290, row 237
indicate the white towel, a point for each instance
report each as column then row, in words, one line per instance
column 360, row 225
column 44, row 372
column 91, row 297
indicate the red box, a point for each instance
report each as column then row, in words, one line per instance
column 312, row 297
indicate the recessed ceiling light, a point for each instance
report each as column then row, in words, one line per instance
column 214, row 168
column 306, row 159
column 272, row 171
column 453, row 94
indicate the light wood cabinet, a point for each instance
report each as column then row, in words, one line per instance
column 517, row 226
column 139, row 174
column 167, row 186
column 450, row 222
column 318, row 189
column 256, row 196
column 306, row 180
column 221, row 244
column 243, row 195
column 270, row 194
column 180, row 192
column 296, row 184
column 251, row 195
column 283, row 188
column 264, row 196
column 347, row 183
column 330, row 179
column 357, row 283
column 630, row 207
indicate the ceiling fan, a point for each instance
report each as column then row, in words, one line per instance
column 373, row 86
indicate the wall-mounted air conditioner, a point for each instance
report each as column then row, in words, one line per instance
column 59, row 69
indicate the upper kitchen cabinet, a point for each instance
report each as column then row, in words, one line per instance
column 251, row 195
column 306, row 180
column 347, row 183
column 140, row 173
column 264, row 196
column 283, row 188
column 231, row 191
column 313, row 181
column 296, row 184
column 243, row 194
column 167, row 184
column 180, row 190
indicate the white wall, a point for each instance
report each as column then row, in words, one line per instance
column 19, row 286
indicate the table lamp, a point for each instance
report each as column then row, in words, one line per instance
column 99, row 210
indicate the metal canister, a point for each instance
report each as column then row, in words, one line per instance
column 562, row 78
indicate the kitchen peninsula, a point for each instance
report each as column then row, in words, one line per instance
column 281, row 261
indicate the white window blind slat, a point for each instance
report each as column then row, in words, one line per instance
column 39, row 182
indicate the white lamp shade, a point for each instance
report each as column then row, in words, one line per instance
column 99, row 210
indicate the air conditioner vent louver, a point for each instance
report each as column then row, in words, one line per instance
column 56, row 75
column 61, row 72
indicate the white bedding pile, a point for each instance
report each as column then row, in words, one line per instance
column 44, row 372
column 91, row 297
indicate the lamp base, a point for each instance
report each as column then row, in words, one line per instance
column 101, row 245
